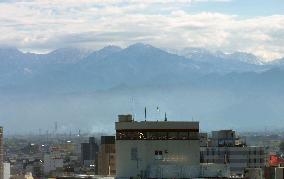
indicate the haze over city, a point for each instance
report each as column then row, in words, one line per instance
column 209, row 60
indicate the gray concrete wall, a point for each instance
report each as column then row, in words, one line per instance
column 179, row 152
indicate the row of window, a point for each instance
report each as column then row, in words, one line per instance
column 218, row 152
column 229, row 160
column 137, row 135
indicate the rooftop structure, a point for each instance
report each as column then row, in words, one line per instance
column 156, row 130
column 226, row 138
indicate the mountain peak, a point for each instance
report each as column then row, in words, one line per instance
column 140, row 45
column 245, row 57
column 110, row 49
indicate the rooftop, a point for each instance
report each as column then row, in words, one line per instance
column 157, row 125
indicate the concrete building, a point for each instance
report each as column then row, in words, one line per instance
column 203, row 137
column 1, row 154
column 106, row 156
column 226, row 147
column 89, row 153
column 7, row 172
column 53, row 165
column 157, row 149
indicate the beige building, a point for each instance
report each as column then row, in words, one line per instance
column 106, row 156
column 1, row 154
column 157, row 149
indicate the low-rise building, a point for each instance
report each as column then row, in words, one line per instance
column 226, row 148
column 53, row 165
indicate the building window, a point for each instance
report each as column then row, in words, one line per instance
column 156, row 135
column 201, row 157
column 158, row 155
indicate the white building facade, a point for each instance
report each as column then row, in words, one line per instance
column 7, row 170
column 159, row 149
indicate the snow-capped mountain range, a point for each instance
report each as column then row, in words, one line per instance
column 85, row 88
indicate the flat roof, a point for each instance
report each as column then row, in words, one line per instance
column 157, row 125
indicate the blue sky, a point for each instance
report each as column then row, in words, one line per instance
column 253, row 26
column 242, row 8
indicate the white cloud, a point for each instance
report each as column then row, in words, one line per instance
column 46, row 25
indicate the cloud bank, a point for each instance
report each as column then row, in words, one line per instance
column 46, row 25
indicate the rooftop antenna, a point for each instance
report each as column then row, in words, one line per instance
column 145, row 113
column 166, row 119
column 55, row 128
column 132, row 108
column 158, row 112
column 46, row 135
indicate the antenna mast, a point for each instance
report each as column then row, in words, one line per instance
column 145, row 113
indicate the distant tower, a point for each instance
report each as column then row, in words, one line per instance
column 79, row 132
column 46, row 135
column 1, row 154
column 55, row 128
